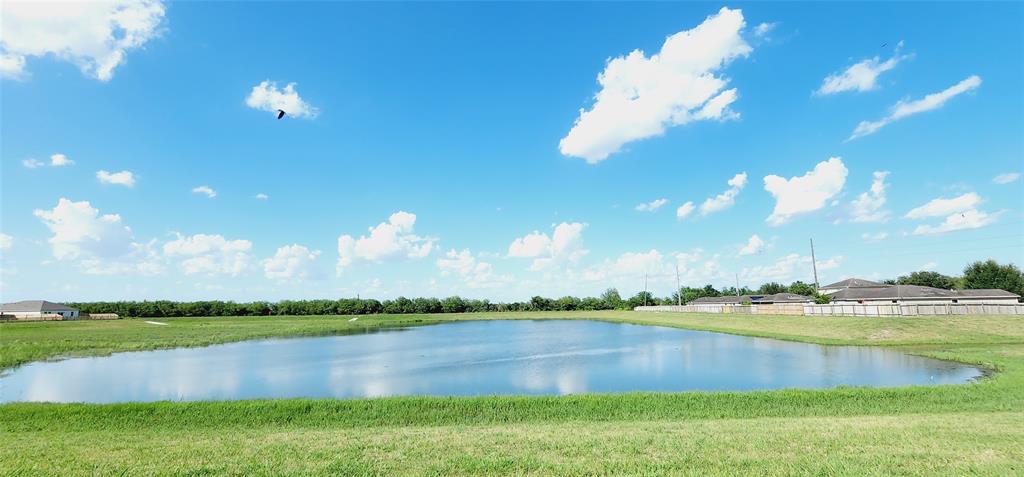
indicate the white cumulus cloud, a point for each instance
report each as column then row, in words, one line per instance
column 261, row 196
column 941, row 207
column 564, row 245
column 266, row 96
column 60, row 160
column 961, row 213
column 867, row 207
column 806, row 193
column 205, row 190
column 94, row 36
column 652, row 205
column 209, row 254
column 640, row 96
column 291, row 262
column 685, row 210
column 474, row 273
column 726, row 199
column 787, row 269
column 101, row 243
column 389, row 240
column 6, row 242
column 861, row 76
column 754, row 245
column 968, row 219
column 56, row 160
column 905, row 108
column 125, row 178
column 1006, row 178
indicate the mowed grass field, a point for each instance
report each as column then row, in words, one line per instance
column 970, row 429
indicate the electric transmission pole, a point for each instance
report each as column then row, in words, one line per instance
column 679, row 293
column 645, row 288
column 814, row 266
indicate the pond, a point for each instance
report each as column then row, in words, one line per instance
column 542, row 357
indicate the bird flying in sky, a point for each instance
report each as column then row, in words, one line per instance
column 280, row 113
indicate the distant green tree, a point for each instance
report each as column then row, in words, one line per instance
column 801, row 288
column 640, row 299
column 539, row 303
column 453, row 304
column 928, row 279
column 731, row 291
column 611, row 298
column 567, row 303
column 822, row 299
column 990, row 274
column 690, row 293
column 772, row 288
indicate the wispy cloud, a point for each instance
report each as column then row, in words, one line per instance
column 652, row 205
column 125, row 178
column 1006, row 178
column 726, row 199
column 861, row 76
column 205, row 190
column 906, row 108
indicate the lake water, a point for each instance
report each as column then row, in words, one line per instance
column 473, row 358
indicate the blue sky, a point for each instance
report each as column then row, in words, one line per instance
column 480, row 145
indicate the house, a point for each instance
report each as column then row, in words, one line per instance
column 857, row 291
column 778, row 298
column 36, row 309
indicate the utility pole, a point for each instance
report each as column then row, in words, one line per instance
column 679, row 293
column 645, row 288
column 814, row 265
column 737, row 275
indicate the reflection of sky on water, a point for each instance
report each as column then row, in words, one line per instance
column 473, row 358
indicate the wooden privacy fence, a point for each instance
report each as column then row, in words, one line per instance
column 843, row 309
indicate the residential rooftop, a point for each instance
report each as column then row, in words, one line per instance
column 37, row 306
column 854, row 283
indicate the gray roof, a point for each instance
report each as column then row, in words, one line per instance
column 754, row 299
column 854, row 283
column 915, row 292
column 987, row 293
column 38, row 306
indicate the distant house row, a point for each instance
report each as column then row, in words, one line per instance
column 865, row 292
column 42, row 310
column 38, row 309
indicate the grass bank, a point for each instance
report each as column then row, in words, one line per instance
column 954, row 430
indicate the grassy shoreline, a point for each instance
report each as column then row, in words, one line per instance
column 921, row 430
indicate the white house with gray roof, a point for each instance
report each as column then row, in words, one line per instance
column 38, row 308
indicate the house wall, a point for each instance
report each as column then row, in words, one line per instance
column 39, row 315
column 34, row 316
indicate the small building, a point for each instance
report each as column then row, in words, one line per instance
column 778, row 298
column 38, row 309
column 864, row 292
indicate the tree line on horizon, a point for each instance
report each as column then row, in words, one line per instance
column 988, row 274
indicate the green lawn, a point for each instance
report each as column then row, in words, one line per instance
column 971, row 429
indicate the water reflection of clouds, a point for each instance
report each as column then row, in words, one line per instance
column 473, row 358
